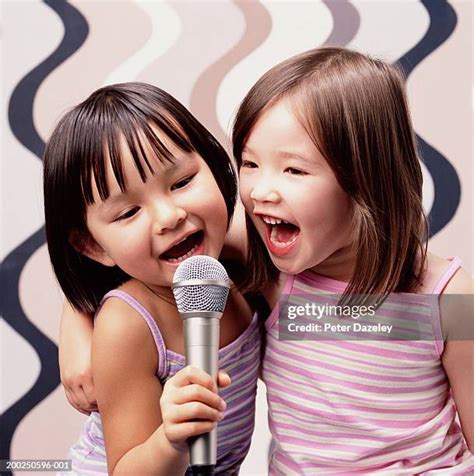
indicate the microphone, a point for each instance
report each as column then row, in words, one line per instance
column 200, row 287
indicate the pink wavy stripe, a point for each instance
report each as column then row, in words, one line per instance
column 105, row 48
column 258, row 25
column 178, row 69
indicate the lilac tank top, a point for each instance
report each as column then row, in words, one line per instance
column 240, row 359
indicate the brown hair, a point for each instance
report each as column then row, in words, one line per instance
column 354, row 108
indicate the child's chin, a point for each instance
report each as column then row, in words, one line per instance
column 283, row 267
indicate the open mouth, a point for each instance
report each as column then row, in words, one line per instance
column 184, row 249
column 280, row 233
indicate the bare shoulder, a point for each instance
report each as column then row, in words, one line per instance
column 120, row 332
column 460, row 283
column 456, row 301
column 434, row 269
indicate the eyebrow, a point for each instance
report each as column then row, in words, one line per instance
column 293, row 155
column 112, row 200
column 168, row 167
column 284, row 154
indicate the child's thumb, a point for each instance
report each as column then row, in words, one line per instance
column 223, row 379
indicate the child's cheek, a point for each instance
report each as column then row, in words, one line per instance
column 208, row 200
column 131, row 240
column 245, row 190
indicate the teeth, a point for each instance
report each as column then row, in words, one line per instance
column 273, row 235
column 182, row 240
column 273, row 221
column 279, row 244
column 187, row 255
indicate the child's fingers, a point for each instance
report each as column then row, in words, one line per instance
column 89, row 394
column 82, row 398
column 75, row 402
column 223, row 379
column 198, row 393
column 190, row 375
column 194, row 411
column 183, row 431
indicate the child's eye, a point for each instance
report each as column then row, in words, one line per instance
column 182, row 183
column 293, row 171
column 249, row 164
column 127, row 214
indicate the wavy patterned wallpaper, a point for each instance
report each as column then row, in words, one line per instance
column 207, row 54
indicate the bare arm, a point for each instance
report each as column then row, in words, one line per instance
column 75, row 340
column 457, row 319
column 138, row 439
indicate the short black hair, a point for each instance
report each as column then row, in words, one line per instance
column 76, row 154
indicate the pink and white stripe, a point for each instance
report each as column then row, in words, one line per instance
column 362, row 407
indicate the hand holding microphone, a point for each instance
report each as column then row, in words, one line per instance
column 190, row 405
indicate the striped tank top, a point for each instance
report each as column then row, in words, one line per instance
column 240, row 359
column 352, row 406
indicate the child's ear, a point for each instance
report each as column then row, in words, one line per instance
column 86, row 245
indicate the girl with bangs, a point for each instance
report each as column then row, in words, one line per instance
column 133, row 185
column 331, row 181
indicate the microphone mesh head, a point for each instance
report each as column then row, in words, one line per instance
column 200, row 297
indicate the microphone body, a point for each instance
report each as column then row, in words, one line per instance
column 200, row 287
column 201, row 338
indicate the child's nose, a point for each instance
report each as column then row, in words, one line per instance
column 167, row 216
column 264, row 191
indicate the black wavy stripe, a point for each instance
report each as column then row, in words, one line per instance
column 447, row 187
column 20, row 115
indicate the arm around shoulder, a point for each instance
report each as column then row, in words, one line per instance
column 75, row 338
column 457, row 318
column 124, row 362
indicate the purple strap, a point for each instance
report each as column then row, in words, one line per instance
column 155, row 331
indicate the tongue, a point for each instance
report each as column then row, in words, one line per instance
column 285, row 232
column 181, row 248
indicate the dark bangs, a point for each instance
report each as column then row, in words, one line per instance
column 83, row 142
column 120, row 113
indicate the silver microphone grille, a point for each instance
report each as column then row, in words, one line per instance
column 200, row 283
